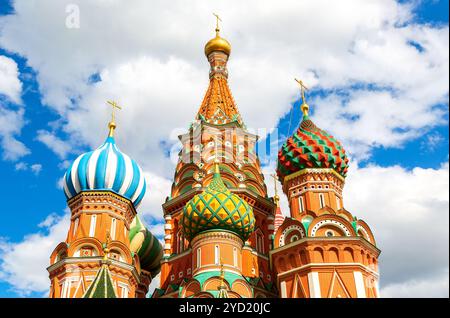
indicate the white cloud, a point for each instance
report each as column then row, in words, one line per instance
column 11, row 124
column 424, row 288
column 10, row 84
column 408, row 211
column 23, row 264
column 36, row 168
column 58, row 146
column 154, row 284
column 157, row 190
column 21, row 166
column 11, row 120
column 157, row 69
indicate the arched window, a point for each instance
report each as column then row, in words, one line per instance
column 338, row 203
column 116, row 255
column 93, row 225
column 235, row 257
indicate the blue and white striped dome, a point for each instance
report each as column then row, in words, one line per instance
column 106, row 168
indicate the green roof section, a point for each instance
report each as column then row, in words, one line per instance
column 147, row 247
column 102, row 286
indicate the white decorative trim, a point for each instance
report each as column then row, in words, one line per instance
column 283, row 289
column 367, row 237
column 367, row 269
column 281, row 241
column 314, row 285
column 332, row 222
column 359, row 282
column 167, row 226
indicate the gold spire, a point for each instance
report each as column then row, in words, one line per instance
column 276, row 198
column 222, row 274
column 304, row 107
column 112, row 123
column 218, row 43
column 105, row 246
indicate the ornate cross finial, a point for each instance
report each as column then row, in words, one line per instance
column 275, row 197
column 217, row 22
column 304, row 106
column 112, row 123
column 106, row 246
column 222, row 275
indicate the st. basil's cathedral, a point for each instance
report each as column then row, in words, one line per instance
column 224, row 237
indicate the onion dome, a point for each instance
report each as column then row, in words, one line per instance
column 106, row 168
column 311, row 147
column 147, row 246
column 218, row 43
column 217, row 208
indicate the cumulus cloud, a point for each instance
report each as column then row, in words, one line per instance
column 23, row 166
column 408, row 211
column 10, row 84
column 23, row 264
column 161, row 73
column 157, row 190
column 53, row 142
column 11, row 120
column 11, row 124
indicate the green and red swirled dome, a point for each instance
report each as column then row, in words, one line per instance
column 311, row 147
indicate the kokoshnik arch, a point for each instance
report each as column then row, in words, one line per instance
column 224, row 236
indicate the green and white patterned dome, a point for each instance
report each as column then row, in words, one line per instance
column 217, row 208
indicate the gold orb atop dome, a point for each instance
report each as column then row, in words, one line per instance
column 218, row 44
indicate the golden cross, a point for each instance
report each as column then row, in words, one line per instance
column 217, row 21
column 302, row 88
column 275, row 197
column 114, row 105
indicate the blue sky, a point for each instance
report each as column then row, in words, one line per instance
column 28, row 197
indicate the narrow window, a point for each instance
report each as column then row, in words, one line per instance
column 199, row 258
column 260, row 243
column 301, row 204
column 322, row 200
column 113, row 229
column 124, row 292
column 75, row 226
column 235, row 257
column 338, row 203
column 93, row 224
column 216, row 255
